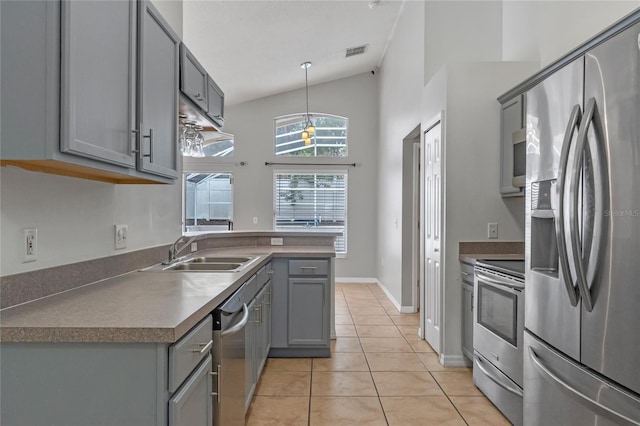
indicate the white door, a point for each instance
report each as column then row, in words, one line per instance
column 432, row 304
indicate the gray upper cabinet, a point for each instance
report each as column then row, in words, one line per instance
column 193, row 79
column 82, row 85
column 99, row 80
column 158, row 69
column 511, row 147
column 215, row 96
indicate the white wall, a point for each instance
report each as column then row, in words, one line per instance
column 401, row 76
column 544, row 31
column 461, row 31
column 171, row 10
column 252, row 125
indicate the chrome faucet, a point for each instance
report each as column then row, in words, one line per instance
column 175, row 249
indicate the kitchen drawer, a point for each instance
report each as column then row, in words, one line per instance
column 309, row 267
column 189, row 351
column 262, row 277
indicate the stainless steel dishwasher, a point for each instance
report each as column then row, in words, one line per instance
column 229, row 327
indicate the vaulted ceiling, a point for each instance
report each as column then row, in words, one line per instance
column 254, row 48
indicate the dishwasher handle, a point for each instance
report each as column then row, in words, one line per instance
column 240, row 325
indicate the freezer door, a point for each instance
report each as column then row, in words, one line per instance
column 549, row 312
column 558, row 391
column 610, row 337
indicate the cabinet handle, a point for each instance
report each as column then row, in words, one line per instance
column 205, row 347
column 472, row 303
column 217, row 374
column 150, row 137
column 270, row 273
column 137, row 133
column 311, row 268
column 466, row 274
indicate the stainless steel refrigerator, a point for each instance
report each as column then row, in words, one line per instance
column 582, row 310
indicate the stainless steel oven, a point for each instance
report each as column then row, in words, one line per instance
column 498, row 332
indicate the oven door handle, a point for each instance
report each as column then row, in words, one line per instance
column 496, row 380
column 514, row 287
column 243, row 321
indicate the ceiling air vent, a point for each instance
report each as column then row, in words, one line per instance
column 358, row 50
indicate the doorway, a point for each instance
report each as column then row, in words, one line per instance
column 411, row 222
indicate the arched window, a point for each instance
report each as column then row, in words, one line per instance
column 329, row 139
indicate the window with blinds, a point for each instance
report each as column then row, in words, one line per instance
column 312, row 202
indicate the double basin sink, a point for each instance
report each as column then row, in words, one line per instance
column 207, row 264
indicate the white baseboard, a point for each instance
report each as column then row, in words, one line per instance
column 356, row 280
column 453, row 360
column 365, row 280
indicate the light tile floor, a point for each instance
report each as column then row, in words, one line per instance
column 379, row 373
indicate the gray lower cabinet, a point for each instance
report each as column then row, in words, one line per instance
column 301, row 307
column 250, row 378
column 186, row 406
column 258, row 333
column 125, row 384
column 89, row 89
column 467, row 310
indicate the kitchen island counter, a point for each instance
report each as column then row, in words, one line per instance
column 140, row 306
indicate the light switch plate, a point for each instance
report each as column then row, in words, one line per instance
column 492, row 230
column 277, row 241
column 30, row 241
column 120, row 236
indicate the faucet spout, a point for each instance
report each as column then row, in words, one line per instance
column 175, row 248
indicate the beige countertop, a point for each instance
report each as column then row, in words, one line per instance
column 141, row 306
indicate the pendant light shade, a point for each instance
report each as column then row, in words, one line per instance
column 309, row 129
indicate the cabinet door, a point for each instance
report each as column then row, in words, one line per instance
column 215, row 96
column 193, row 78
column 250, row 354
column 512, row 120
column 267, row 318
column 467, row 321
column 192, row 403
column 308, row 311
column 158, row 70
column 98, row 78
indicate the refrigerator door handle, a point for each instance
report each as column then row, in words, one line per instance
column 574, row 121
column 576, row 237
column 585, row 400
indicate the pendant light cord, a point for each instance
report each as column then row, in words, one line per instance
column 306, row 85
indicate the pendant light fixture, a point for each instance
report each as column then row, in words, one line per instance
column 309, row 129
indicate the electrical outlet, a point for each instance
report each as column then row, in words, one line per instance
column 276, row 241
column 120, row 236
column 30, row 245
column 255, row 220
column 194, row 247
column 492, row 230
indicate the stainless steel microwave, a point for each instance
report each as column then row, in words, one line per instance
column 519, row 139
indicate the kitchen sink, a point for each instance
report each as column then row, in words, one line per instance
column 201, row 266
column 220, row 259
column 206, row 264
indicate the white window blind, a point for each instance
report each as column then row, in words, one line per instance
column 312, row 202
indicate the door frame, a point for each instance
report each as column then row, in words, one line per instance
column 410, row 302
column 427, row 125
